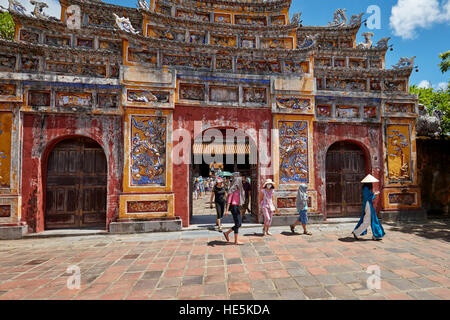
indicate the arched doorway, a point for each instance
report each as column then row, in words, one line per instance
column 237, row 155
column 76, row 185
column 345, row 168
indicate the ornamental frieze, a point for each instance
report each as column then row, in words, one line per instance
column 294, row 103
column 7, row 63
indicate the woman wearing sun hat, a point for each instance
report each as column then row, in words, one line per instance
column 267, row 206
column 368, row 214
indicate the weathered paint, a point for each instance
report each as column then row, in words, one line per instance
column 367, row 136
column 41, row 133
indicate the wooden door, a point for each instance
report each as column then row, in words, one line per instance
column 76, row 185
column 345, row 168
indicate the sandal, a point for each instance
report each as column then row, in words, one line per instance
column 219, row 229
column 307, row 233
column 226, row 236
column 292, row 228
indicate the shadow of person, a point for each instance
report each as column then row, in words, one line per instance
column 352, row 239
column 217, row 243
column 254, row 234
column 290, row 234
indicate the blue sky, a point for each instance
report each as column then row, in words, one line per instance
column 417, row 27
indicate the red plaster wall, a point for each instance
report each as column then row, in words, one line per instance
column 41, row 133
column 367, row 136
column 184, row 117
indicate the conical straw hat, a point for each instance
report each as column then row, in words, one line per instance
column 369, row 179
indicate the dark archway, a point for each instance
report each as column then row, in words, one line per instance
column 76, row 185
column 244, row 157
column 345, row 168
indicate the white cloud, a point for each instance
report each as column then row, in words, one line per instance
column 409, row 15
column 427, row 84
column 441, row 85
column 424, row 84
column 53, row 10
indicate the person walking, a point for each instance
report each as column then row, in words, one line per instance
column 302, row 208
column 219, row 195
column 247, row 188
column 200, row 179
column 236, row 198
column 368, row 214
column 196, row 188
column 267, row 206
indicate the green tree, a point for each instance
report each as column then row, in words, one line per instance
column 6, row 26
column 434, row 99
column 445, row 63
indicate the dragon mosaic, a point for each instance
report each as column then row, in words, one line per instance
column 293, row 137
column 148, row 150
column 399, row 152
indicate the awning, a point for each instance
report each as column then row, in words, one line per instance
column 211, row 148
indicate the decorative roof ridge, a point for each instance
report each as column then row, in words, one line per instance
column 354, row 50
column 27, row 45
column 58, row 23
column 168, row 43
column 98, row 4
column 346, row 70
column 286, row 27
column 350, row 27
column 237, row 2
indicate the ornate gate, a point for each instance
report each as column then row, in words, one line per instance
column 76, row 185
column 345, row 168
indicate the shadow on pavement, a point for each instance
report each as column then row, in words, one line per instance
column 351, row 239
column 254, row 234
column 431, row 229
column 290, row 234
column 218, row 243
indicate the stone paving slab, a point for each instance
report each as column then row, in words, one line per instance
column 413, row 260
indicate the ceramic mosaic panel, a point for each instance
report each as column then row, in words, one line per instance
column 222, row 18
column 29, row 36
column 347, row 112
column 399, row 108
column 147, row 206
column 39, row 98
column 295, row 104
column 148, row 150
column 293, row 142
column 7, row 89
column 106, row 100
column 65, row 99
column 5, row 211
column 7, row 63
column 399, row 152
column 323, row 111
column 403, row 198
column 248, row 20
column 255, row 95
column 5, row 149
column 141, row 56
column 192, row 92
column 278, row 20
column 370, row 112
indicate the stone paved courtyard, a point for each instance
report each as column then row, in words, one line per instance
column 330, row 264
